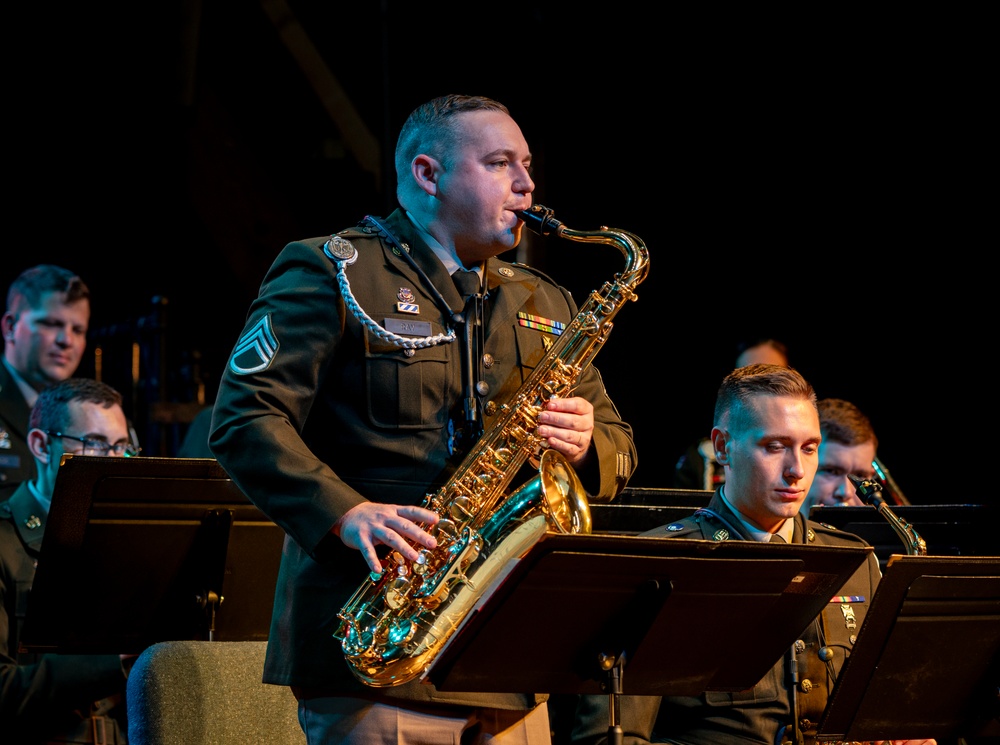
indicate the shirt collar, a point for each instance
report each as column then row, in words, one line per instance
column 447, row 256
column 785, row 531
column 29, row 393
column 44, row 502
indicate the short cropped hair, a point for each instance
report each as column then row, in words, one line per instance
column 430, row 128
column 28, row 289
column 745, row 383
column 51, row 410
column 761, row 341
column 843, row 422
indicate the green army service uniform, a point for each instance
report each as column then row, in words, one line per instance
column 756, row 715
column 16, row 462
column 65, row 698
column 377, row 421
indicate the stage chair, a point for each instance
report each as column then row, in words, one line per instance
column 208, row 693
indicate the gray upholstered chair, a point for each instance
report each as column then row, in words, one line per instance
column 208, row 693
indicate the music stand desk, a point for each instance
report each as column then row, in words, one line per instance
column 927, row 659
column 144, row 550
column 660, row 607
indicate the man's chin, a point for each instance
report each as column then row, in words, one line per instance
column 59, row 374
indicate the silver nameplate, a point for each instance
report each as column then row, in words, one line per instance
column 407, row 328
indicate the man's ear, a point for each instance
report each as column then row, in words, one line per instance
column 720, row 442
column 426, row 171
column 39, row 444
column 7, row 324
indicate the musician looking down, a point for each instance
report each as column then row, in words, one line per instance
column 345, row 402
column 766, row 435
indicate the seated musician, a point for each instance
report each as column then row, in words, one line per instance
column 62, row 698
column 766, row 436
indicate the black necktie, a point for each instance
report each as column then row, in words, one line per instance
column 470, row 285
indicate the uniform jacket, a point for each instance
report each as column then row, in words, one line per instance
column 318, row 412
column 16, row 461
column 49, row 695
column 757, row 715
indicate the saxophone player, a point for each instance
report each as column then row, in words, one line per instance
column 848, row 449
column 362, row 377
column 766, row 435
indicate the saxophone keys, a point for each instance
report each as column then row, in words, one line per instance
column 397, row 592
column 421, row 565
column 401, row 631
column 461, row 509
column 445, row 532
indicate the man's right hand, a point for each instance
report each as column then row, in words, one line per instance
column 370, row 524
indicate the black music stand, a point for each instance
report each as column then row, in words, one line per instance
column 948, row 529
column 927, row 659
column 144, row 550
column 577, row 611
column 637, row 510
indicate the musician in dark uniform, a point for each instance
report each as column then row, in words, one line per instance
column 44, row 334
column 56, row 698
column 353, row 391
column 766, row 436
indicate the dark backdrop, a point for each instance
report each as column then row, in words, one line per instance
column 819, row 178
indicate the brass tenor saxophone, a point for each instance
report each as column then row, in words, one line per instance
column 870, row 492
column 396, row 623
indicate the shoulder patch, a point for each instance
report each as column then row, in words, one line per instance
column 256, row 348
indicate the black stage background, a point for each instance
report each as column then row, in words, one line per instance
column 815, row 177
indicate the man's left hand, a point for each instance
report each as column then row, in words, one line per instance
column 567, row 424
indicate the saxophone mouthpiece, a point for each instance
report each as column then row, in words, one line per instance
column 869, row 492
column 539, row 219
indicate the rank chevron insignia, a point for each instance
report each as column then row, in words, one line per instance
column 255, row 349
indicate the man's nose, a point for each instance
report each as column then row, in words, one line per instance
column 65, row 336
column 797, row 467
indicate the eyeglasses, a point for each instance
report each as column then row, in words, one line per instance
column 99, row 447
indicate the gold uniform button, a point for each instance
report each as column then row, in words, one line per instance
column 488, row 360
column 491, row 408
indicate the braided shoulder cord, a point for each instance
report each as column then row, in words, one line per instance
column 385, row 334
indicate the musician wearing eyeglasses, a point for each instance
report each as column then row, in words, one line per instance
column 55, row 697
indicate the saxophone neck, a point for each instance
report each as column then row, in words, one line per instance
column 870, row 492
column 541, row 220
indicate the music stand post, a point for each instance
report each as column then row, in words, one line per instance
column 654, row 606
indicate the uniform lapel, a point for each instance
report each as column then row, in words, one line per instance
column 28, row 517
column 12, row 405
column 506, row 295
column 422, row 255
